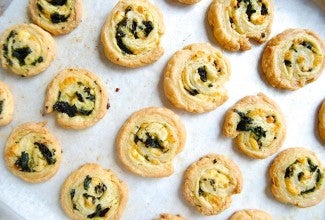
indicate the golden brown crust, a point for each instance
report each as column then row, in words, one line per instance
column 189, row 2
column 149, row 140
column 93, row 192
column 78, row 97
column 32, row 153
column 194, row 78
column 59, row 18
column 132, row 32
column 250, row 214
column 257, row 124
column 6, row 104
column 166, row 216
column 210, row 182
column 297, row 177
column 26, row 49
column 321, row 121
column 293, row 59
column 235, row 22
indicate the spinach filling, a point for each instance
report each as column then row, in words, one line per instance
column 87, row 182
column 246, row 124
column 134, row 28
column 151, row 142
column 1, row 106
column 21, row 54
column 289, row 173
column 192, row 92
column 287, row 63
column 203, row 73
column 23, row 162
column 57, row 2
column 58, row 18
column 47, row 154
column 99, row 212
column 72, row 110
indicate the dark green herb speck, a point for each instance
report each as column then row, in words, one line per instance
column 203, row 73
column 22, row 162
column 312, row 166
column 57, row 18
column 250, row 10
column 289, row 171
column 1, row 106
column 288, row 63
column 72, row 193
column 47, row 154
column 307, row 45
column 264, row 9
column 300, row 175
column 58, row 2
column 21, row 54
column 308, row 191
column 93, row 198
column 65, row 107
column 40, row 8
column 99, row 212
column 87, row 181
column 148, row 27
column 192, row 92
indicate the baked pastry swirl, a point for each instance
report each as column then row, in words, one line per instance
column 78, row 97
column 32, row 153
column 26, row 49
column 132, row 32
column 194, row 78
column 235, row 22
column 92, row 192
column 56, row 16
column 250, row 214
column 149, row 140
column 210, row 182
column 321, row 121
column 293, row 59
column 257, row 124
column 298, row 177
column 6, row 104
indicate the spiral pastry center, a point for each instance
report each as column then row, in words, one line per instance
column 33, row 153
column 301, row 57
column 55, row 11
column 203, row 74
column 153, row 143
column 93, row 198
column 245, row 13
column 303, row 176
column 75, row 98
column 23, row 49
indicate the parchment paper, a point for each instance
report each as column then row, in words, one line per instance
column 142, row 87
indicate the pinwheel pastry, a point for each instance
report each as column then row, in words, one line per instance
column 194, row 78
column 79, row 98
column 92, row 192
column 32, row 153
column 257, row 124
column 293, row 59
column 6, row 104
column 165, row 216
column 132, row 32
column 189, row 2
column 149, row 140
column 321, row 121
column 298, row 177
column 210, row 182
column 235, row 22
column 26, row 49
column 250, row 214
column 56, row 16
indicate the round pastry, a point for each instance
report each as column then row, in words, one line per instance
column 32, row 153
column 321, row 121
column 165, row 216
column 26, row 49
column 293, row 59
column 79, row 98
column 194, row 78
column 298, row 177
column 189, row 2
column 235, row 22
column 56, row 16
column 6, row 104
column 132, row 32
column 210, row 182
column 250, row 214
column 257, row 124
column 149, row 140
column 92, row 192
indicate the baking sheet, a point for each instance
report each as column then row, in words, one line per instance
column 141, row 88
